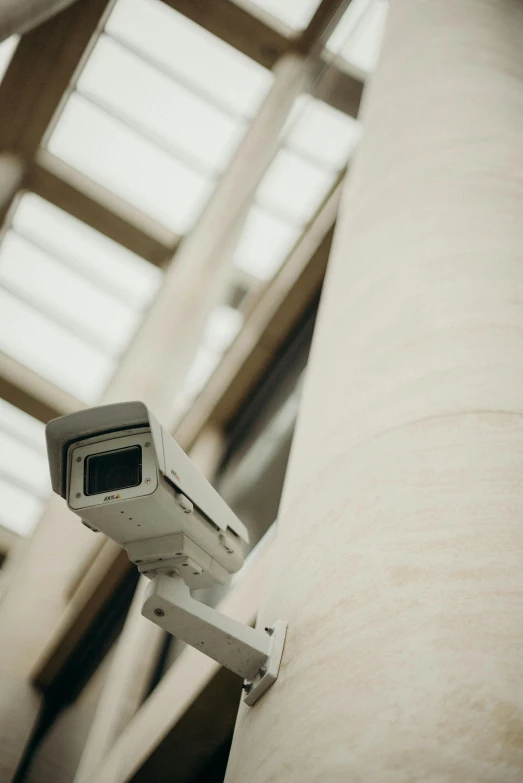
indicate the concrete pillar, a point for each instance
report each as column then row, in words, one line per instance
column 400, row 545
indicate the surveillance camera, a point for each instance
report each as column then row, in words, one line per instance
column 124, row 475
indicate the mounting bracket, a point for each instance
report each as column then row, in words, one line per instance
column 253, row 654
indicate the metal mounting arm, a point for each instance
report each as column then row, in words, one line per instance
column 253, row 654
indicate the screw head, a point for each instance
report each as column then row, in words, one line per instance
column 147, row 480
column 147, row 445
column 263, row 672
column 78, row 459
column 78, row 495
column 159, row 612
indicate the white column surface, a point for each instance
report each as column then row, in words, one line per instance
column 400, row 544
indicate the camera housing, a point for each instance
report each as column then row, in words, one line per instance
column 125, row 476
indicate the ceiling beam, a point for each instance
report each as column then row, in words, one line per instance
column 79, row 196
column 19, row 16
column 271, row 319
column 39, row 74
column 322, row 24
column 33, row 394
column 43, row 66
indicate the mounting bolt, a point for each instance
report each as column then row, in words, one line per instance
column 78, row 459
column 247, row 687
column 263, row 671
column 269, row 631
column 78, row 494
column 159, row 612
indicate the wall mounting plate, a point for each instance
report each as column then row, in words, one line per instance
column 259, row 685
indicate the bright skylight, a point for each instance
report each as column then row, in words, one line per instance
column 186, row 124
column 295, row 13
column 7, row 49
column 316, row 144
column 222, row 326
column 294, row 187
column 51, row 350
column 317, row 130
column 92, row 254
column 357, row 38
column 70, row 298
column 158, row 111
column 265, row 243
column 191, row 54
column 129, row 164
column 24, row 472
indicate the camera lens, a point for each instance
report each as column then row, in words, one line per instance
column 113, row 470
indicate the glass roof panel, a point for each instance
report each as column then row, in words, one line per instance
column 52, row 287
column 264, row 243
column 125, row 162
column 19, row 510
column 24, row 472
column 295, row 13
column 23, row 427
column 98, row 258
column 203, row 366
column 222, row 326
column 7, row 49
column 321, row 132
column 357, row 38
column 202, row 60
column 294, row 187
column 51, row 351
column 25, row 466
column 195, row 130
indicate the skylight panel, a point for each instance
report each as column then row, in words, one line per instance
column 70, row 298
column 95, row 256
column 24, row 471
column 321, row 132
column 203, row 366
column 19, row 510
column 7, row 50
column 23, row 465
column 197, row 132
column 295, row 13
column 202, row 60
column 358, row 36
column 222, row 326
column 294, row 187
column 52, row 287
column 51, row 351
column 129, row 165
column 265, row 242
column 23, row 427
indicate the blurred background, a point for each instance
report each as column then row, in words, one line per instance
column 170, row 176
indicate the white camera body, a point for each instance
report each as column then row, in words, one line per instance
column 125, row 476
